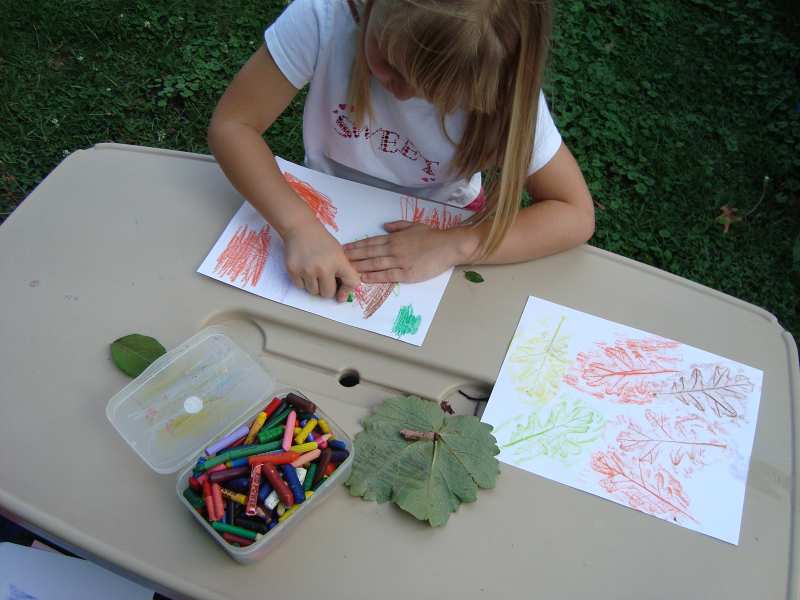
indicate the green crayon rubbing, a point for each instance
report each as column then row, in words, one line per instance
column 406, row 323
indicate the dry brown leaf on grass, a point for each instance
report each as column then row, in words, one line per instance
column 727, row 217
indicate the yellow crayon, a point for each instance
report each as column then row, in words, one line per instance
column 255, row 428
column 293, row 507
column 303, row 448
column 236, row 497
column 323, row 425
column 300, row 437
column 297, row 430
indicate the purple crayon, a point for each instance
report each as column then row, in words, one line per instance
column 227, row 440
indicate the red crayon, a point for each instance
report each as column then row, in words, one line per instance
column 232, row 538
column 252, row 498
column 198, row 489
column 279, row 458
column 272, row 406
column 278, row 484
column 209, row 500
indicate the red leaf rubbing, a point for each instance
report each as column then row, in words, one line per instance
column 245, row 256
column 410, row 211
column 630, row 371
column 720, row 386
column 322, row 206
column 680, row 441
column 371, row 296
column 652, row 491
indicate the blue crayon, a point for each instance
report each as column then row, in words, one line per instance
column 291, row 479
column 336, row 445
column 338, row 456
column 264, row 491
column 241, row 485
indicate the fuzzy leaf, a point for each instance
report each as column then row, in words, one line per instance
column 428, row 479
column 134, row 353
column 473, row 277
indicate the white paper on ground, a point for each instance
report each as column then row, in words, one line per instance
column 249, row 254
column 637, row 419
column 30, row 574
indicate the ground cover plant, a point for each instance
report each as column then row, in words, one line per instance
column 675, row 109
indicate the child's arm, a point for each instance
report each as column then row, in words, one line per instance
column 255, row 98
column 561, row 218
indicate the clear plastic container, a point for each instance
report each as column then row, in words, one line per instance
column 196, row 394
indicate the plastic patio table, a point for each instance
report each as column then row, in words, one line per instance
column 109, row 243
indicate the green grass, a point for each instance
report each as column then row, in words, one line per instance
column 674, row 108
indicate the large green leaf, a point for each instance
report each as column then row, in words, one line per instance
column 429, row 479
column 134, row 353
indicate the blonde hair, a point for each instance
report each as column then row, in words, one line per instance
column 486, row 57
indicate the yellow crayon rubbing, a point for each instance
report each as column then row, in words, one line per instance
column 305, row 431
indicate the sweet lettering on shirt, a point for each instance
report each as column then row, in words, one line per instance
column 388, row 141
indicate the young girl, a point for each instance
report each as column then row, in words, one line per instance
column 418, row 97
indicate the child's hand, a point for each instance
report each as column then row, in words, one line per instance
column 411, row 252
column 314, row 260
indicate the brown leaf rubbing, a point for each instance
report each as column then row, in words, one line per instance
column 720, row 386
column 371, row 296
column 726, row 218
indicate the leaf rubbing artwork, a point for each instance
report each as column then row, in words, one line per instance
column 544, row 362
column 680, row 441
column 715, row 392
column 562, row 435
column 428, row 479
column 650, row 490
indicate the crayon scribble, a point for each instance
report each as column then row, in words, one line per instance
column 410, row 211
column 244, row 256
column 371, row 296
column 630, row 372
column 14, row 593
column 406, row 323
column 322, row 206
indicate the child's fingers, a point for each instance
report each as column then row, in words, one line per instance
column 393, row 226
column 398, row 275
column 350, row 280
column 378, row 240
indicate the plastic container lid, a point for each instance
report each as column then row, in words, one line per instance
column 189, row 397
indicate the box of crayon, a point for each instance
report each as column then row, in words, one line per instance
column 252, row 462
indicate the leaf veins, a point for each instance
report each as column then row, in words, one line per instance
column 681, row 441
column 653, row 491
column 544, row 362
column 715, row 392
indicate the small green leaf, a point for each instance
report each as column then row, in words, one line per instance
column 473, row 277
column 134, row 353
column 429, row 479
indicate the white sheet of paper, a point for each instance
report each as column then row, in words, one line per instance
column 637, row 419
column 249, row 254
column 30, row 574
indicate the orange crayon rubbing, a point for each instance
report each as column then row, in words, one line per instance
column 245, row 256
column 410, row 210
column 322, row 206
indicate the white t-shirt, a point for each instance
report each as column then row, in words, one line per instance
column 405, row 149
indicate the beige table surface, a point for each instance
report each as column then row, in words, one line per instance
column 109, row 245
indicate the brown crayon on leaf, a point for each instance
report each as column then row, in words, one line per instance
column 410, row 434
